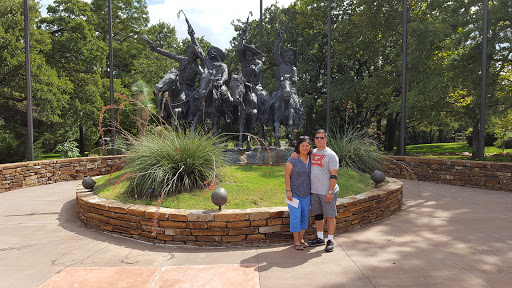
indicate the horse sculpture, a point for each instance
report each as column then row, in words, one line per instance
column 171, row 100
column 247, row 104
column 210, row 104
column 286, row 109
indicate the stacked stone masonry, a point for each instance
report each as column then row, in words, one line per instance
column 34, row 173
column 227, row 228
column 488, row 175
column 480, row 174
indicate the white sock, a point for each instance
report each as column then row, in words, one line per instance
column 320, row 235
column 330, row 237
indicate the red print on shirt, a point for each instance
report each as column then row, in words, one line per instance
column 318, row 160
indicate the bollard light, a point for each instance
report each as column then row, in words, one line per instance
column 88, row 182
column 219, row 197
column 378, row 177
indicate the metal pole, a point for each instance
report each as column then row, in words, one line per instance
column 328, row 120
column 483, row 95
column 261, row 37
column 404, row 79
column 111, row 73
column 29, row 83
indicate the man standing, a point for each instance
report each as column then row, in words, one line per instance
column 324, row 190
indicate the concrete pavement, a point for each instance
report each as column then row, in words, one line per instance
column 445, row 236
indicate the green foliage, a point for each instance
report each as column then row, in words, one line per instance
column 503, row 128
column 504, row 142
column 76, row 54
column 247, row 186
column 48, row 89
column 13, row 143
column 70, row 77
column 68, row 150
column 149, row 66
column 490, row 137
column 169, row 162
column 356, row 150
column 129, row 18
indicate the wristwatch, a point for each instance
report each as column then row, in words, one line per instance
column 331, row 192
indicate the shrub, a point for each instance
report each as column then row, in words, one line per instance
column 13, row 143
column 504, row 142
column 68, row 150
column 169, row 162
column 490, row 137
column 356, row 150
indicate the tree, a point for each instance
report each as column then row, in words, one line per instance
column 48, row 90
column 77, row 54
column 129, row 18
column 150, row 67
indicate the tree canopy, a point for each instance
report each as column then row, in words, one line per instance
column 69, row 59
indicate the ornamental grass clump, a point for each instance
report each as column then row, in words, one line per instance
column 356, row 150
column 165, row 162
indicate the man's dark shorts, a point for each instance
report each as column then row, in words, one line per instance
column 319, row 205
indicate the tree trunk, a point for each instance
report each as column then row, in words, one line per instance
column 440, row 136
column 142, row 121
column 308, row 128
column 476, row 138
column 81, row 141
column 390, row 133
column 380, row 137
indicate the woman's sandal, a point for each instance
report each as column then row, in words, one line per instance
column 304, row 244
column 298, row 247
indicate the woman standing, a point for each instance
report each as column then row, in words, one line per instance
column 297, row 178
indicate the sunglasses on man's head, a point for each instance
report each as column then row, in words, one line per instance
column 320, row 138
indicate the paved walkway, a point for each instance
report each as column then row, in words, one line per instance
column 445, row 236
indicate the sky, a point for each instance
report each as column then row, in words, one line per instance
column 209, row 18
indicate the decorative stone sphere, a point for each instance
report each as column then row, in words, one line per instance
column 378, row 177
column 219, row 196
column 88, row 182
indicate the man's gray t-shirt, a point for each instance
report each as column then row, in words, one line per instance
column 300, row 182
column 321, row 162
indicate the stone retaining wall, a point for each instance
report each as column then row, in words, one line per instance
column 480, row 174
column 226, row 228
column 488, row 175
column 27, row 174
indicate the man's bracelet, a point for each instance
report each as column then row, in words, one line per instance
column 288, row 190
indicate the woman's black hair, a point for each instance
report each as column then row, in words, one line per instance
column 301, row 140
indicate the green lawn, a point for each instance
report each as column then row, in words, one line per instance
column 454, row 151
column 50, row 156
column 247, row 186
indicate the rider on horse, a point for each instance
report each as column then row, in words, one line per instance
column 252, row 70
column 215, row 62
column 286, row 107
column 285, row 62
column 188, row 70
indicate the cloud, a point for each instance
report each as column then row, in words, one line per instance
column 211, row 19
